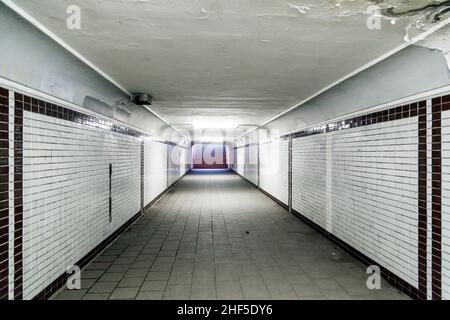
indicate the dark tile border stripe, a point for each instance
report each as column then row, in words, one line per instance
column 422, row 201
column 392, row 114
column 59, row 112
column 19, row 105
column 436, row 202
column 4, row 193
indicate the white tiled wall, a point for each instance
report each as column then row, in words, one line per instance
column 240, row 161
column 251, row 163
column 183, row 159
column 155, row 169
column 274, row 169
column 174, row 163
column 360, row 184
column 186, row 161
column 66, row 193
column 308, row 178
column 66, row 190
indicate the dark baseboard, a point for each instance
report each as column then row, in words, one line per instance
column 285, row 206
column 57, row 284
column 158, row 197
column 280, row 203
column 393, row 279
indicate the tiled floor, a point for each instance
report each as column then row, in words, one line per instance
column 216, row 236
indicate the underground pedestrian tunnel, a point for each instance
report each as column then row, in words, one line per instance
column 224, row 150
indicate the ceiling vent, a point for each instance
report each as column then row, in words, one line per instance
column 141, row 98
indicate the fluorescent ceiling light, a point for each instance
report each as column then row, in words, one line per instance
column 214, row 125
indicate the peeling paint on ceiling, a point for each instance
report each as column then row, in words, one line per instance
column 439, row 41
column 238, row 61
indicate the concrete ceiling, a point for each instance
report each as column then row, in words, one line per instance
column 239, row 61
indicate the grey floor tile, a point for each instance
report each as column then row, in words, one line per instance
column 154, row 285
column 131, row 282
column 301, row 279
column 87, row 283
column 255, row 292
column 158, row 275
column 118, row 268
column 91, row 274
column 203, row 294
column 304, row 291
column 150, row 295
column 177, row 292
column 205, row 283
column 200, row 241
column 161, row 267
column 124, row 294
column 103, row 287
column 111, row 276
column 136, row 273
column 96, row 296
column 328, row 284
column 70, row 295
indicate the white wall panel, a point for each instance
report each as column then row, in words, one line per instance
column 174, row 164
column 66, row 193
column 240, row 163
column 155, row 169
column 251, row 163
column 360, row 184
column 274, row 169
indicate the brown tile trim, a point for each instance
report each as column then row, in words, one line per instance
column 422, row 201
column 19, row 105
column 4, row 193
column 59, row 112
column 387, row 115
column 436, row 202
column 446, row 103
column 393, row 279
column 62, row 279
